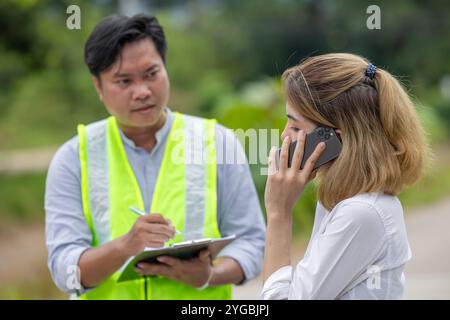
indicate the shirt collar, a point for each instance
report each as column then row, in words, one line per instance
column 161, row 134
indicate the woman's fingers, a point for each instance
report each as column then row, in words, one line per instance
column 284, row 155
column 309, row 165
column 299, row 149
column 272, row 164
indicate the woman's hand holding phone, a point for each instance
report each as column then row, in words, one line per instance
column 285, row 185
column 283, row 188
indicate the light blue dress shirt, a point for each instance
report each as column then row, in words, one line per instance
column 238, row 208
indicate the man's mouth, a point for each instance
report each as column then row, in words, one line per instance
column 144, row 108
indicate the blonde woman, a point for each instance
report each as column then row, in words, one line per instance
column 359, row 246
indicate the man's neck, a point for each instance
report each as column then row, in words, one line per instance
column 144, row 137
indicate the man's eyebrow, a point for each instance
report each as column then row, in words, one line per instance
column 291, row 117
column 127, row 75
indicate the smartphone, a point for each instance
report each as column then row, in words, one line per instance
column 320, row 134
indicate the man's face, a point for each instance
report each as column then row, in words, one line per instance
column 136, row 88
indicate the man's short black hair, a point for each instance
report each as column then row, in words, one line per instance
column 111, row 34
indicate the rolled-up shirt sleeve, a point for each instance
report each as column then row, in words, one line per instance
column 277, row 285
column 239, row 210
column 66, row 231
column 337, row 256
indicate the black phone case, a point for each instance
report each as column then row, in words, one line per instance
column 320, row 134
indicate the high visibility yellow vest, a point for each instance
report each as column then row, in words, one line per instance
column 185, row 193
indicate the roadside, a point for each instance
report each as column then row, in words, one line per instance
column 26, row 161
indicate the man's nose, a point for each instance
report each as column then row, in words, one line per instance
column 141, row 92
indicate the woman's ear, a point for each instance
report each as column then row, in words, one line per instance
column 338, row 132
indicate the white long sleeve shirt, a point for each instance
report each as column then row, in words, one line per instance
column 356, row 251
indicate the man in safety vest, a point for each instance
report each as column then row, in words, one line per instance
column 167, row 164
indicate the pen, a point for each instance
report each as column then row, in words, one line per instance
column 142, row 213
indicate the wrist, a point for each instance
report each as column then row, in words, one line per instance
column 279, row 216
column 206, row 284
column 121, row 247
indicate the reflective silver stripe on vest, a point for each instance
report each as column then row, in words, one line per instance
column 195, row 177
column 99, row 179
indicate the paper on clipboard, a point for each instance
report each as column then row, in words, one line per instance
column 182, row 250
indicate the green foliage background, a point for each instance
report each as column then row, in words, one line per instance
column 225, row 59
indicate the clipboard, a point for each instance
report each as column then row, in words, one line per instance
column 181, row 250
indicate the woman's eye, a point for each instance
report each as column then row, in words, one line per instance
column 295, row 129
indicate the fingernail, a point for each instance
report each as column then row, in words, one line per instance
column 302, row 133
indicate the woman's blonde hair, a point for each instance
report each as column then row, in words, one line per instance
column 383, row 143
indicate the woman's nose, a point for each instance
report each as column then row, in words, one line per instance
column 283, row 134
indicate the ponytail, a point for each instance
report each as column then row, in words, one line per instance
column 401, row 126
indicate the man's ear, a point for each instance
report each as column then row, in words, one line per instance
column 98, row 87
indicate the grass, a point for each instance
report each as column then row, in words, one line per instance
column 430, row 188
column 22, row 196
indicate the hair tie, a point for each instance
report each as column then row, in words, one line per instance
column 371, row 71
